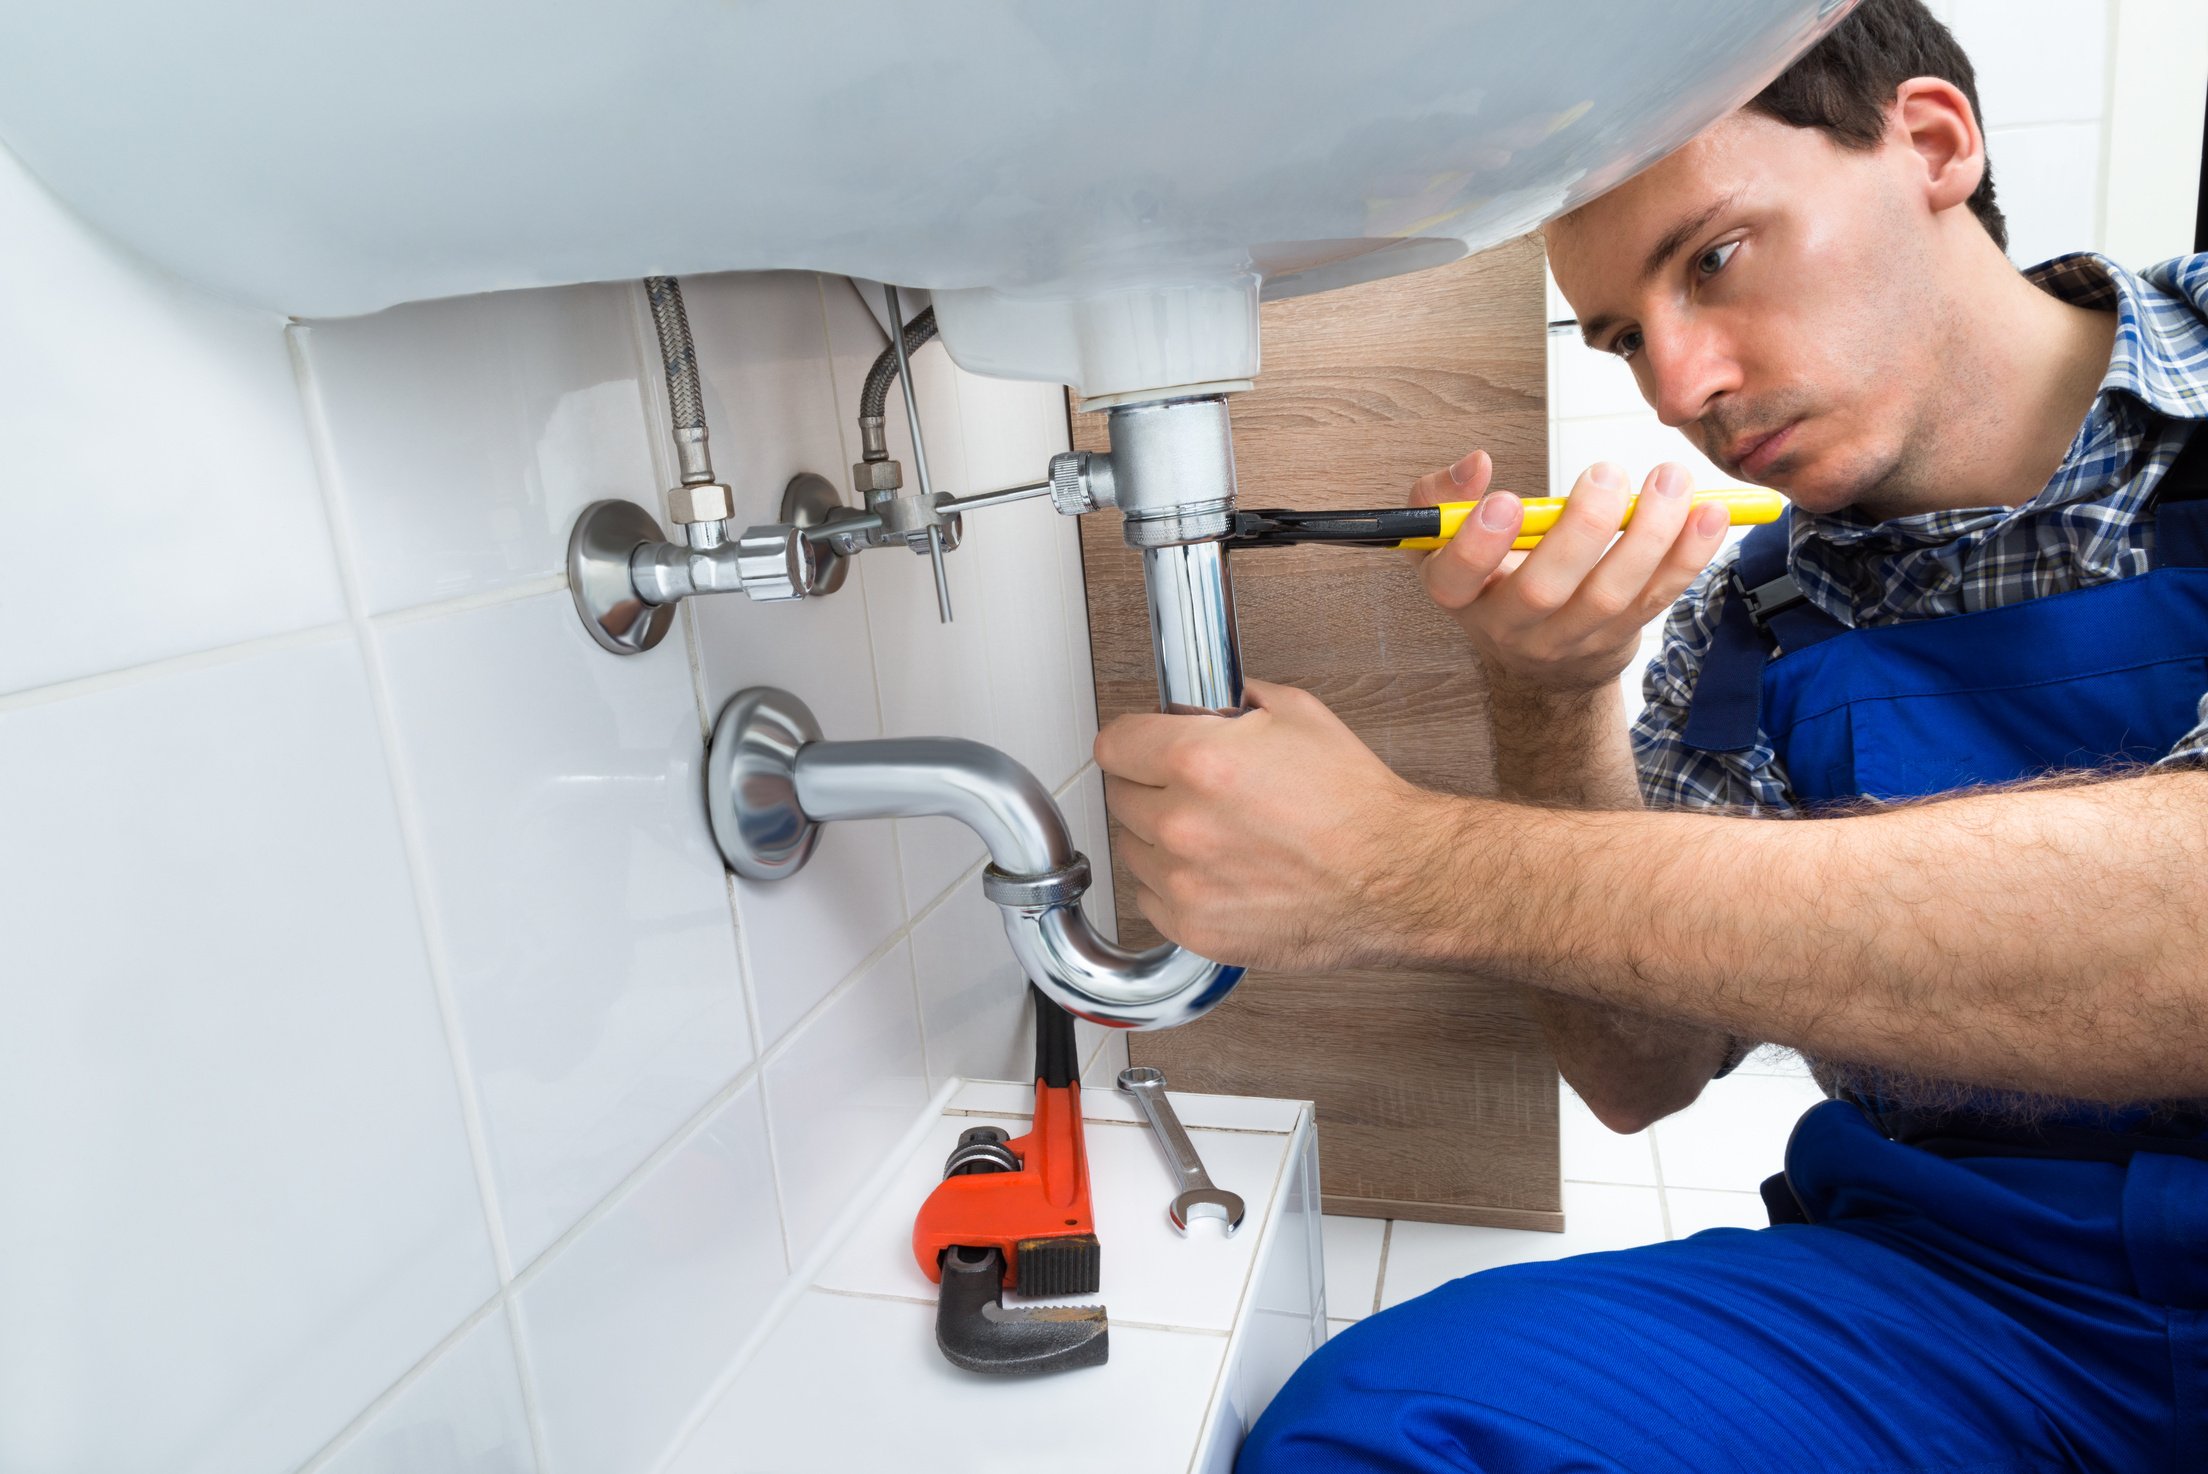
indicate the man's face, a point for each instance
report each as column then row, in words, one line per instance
column 1774, row 296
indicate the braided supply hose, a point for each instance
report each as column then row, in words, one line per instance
column 875, row 396
column 685, row 403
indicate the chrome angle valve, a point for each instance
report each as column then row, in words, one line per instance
column 626, row 575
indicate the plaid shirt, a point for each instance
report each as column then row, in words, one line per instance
column 2086, row 527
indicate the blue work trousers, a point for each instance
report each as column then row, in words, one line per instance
column 1966, row 1316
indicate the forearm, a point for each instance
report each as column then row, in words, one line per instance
column 1572, row 751
column 2046, row 939
column 1569, row 750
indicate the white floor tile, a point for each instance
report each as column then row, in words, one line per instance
column 1694, row 1209
column 1592, row 1152
column 1735, row 1135
column 908, row 1409
column 1352, row 1264
column 1422, row 1256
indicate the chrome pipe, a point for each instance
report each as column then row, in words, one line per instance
column 1192, row 629
column 1036, row 877
column 990, row 793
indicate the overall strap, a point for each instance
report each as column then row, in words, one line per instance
column 1764, row 613
column 2181, row 508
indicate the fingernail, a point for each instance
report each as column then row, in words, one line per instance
column 1670, row 481
column 1710, row 519
column 1461, row 472
column 1602, row 473
column 1498, row 510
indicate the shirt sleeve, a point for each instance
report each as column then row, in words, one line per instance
column 1674, row 775
column 2192, row 748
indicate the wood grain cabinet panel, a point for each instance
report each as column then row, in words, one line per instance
column 1436, row 1098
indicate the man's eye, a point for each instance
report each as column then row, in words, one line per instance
column 1626, row 344
column 1712, row 261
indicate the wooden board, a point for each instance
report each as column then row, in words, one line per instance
column 1436, row 1098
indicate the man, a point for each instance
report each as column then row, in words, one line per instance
column 1975, row 658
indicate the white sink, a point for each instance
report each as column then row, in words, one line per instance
column 1097, row 192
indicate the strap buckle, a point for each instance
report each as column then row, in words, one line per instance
column 1767, row 601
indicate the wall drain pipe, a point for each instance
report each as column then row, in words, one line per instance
column 771, row 782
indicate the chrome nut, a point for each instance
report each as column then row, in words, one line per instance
column 707, row 502
column 1080, row 482
column 870, row 477
column 776, row 563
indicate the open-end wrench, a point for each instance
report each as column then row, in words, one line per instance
column 1198, row 1198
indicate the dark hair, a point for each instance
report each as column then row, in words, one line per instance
column 1845, row 83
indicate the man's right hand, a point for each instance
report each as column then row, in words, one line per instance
column 1566, row 618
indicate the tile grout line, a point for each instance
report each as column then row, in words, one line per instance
column 652, row 404
column 799, row 1281
column 1380, row 1275
column 400, row 1384
column 1267, row 1242
column 1663, row 1192
column 508, row 593
column 401, row 786
column 174, row 665
column 856, row 576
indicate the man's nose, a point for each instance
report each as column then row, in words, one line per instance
column 1688, row 371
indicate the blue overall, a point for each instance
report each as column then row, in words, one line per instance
column 1944, row 1295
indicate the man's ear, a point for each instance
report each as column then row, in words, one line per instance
column 1935, row 123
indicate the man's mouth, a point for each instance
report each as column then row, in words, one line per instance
column 1752, row 455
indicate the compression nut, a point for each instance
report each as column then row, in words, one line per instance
column 705, row 502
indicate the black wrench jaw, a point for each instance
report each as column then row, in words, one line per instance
column 977, row 1333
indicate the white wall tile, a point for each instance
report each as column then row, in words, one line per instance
column 1592, row 1152
column 974, row 1006
column 1352, row 1264
column 463, row 1415
column 2048, row 183
column 158, row 433
column 843, row 1092
column 241, row 1202
column 468, row 433
column 804, row 934
column 1735, row 1135
column 1693, row 1209
column 1094, row 833
column 1639, row 443
column 770, row 401
column 2151, row 187
column 1073, row 583
column 1038, row 720
column 1425, row 1256
column 1110, row 1057
column 627, row 1326
column 1585, row 382
column 934, row 678
column 582, row 906
column 2036, row 61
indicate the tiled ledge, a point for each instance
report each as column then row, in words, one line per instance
column 1204, row 1328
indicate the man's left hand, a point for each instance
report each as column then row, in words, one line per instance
column 1273, row 839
